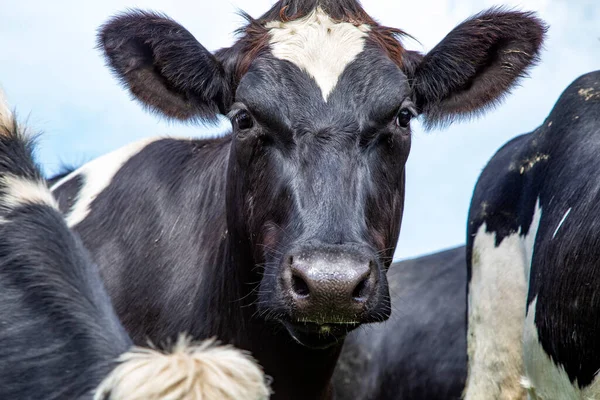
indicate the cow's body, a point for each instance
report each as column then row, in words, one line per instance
column 174, row 242
column 533, row 258
column 420, row 352
column 276, row 237
column 60, row 338
column 173, row 245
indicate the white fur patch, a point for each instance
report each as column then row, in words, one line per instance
column 496, row 305
column 547, row 380
column 204, row 372
column 97, row 175
column 20, row 191
column 497, row 302
column 318, row 45
column 6, row 116
column 561, row 222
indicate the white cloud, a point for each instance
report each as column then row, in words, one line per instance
column 51, row 71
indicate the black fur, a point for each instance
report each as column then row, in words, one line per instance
column 196, row 235
column 420, row 353
column 564, row 269
column 71, row 186
column 16, row 157
column 59, row 336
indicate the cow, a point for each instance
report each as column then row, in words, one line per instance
column 533, row 304
column 421, row 351
column 276, row 237
column 60, row 337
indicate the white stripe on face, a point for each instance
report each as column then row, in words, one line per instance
column 318, row 45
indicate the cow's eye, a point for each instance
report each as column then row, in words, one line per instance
column 243, row 120
column 403, row 118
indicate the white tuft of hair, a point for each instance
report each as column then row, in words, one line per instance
column 207, row 371
column 20, row 191
column 6, row 116
column 8, row 122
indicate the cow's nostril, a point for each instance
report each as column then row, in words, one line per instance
column 299, row 286
column 360, row 291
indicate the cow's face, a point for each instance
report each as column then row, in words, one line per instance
column 321, row 154
column 320, row 105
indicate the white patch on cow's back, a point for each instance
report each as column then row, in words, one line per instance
column 545, row 379
column 562, row 221
column 496, row 305
column 203, row 372
column 318, row 45
column 19, row 191
column 97, row 175
column 497, row 302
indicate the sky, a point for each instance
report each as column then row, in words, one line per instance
column 57, row 81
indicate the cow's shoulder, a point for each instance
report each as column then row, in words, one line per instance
column 499, row 195
column 547, row 162
column 581, row 95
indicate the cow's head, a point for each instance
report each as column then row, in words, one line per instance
column 320, row 98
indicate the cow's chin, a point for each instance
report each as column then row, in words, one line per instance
column 319, row 336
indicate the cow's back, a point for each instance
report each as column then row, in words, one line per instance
column 420, row 353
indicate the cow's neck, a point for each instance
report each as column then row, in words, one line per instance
column 297, row 372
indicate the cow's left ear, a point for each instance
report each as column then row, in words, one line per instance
column 165, row 67
column 475, row 65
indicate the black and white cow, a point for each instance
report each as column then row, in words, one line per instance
column 59, row 335
column 421, row 351
column 534, row 259
column 276, row 237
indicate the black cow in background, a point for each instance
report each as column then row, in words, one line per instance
column 276, row 237
column 59, row 335
column 534, row 259
column 421, row 351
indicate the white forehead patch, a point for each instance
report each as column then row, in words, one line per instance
column 319, row 45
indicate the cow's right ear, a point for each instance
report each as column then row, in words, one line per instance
column 165, row 67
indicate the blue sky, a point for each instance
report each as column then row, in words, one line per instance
column 55, row 78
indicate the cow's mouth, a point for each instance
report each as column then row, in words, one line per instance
column 319, row 336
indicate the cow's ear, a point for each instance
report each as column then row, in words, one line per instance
column 475, row 65
column 165, row 67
